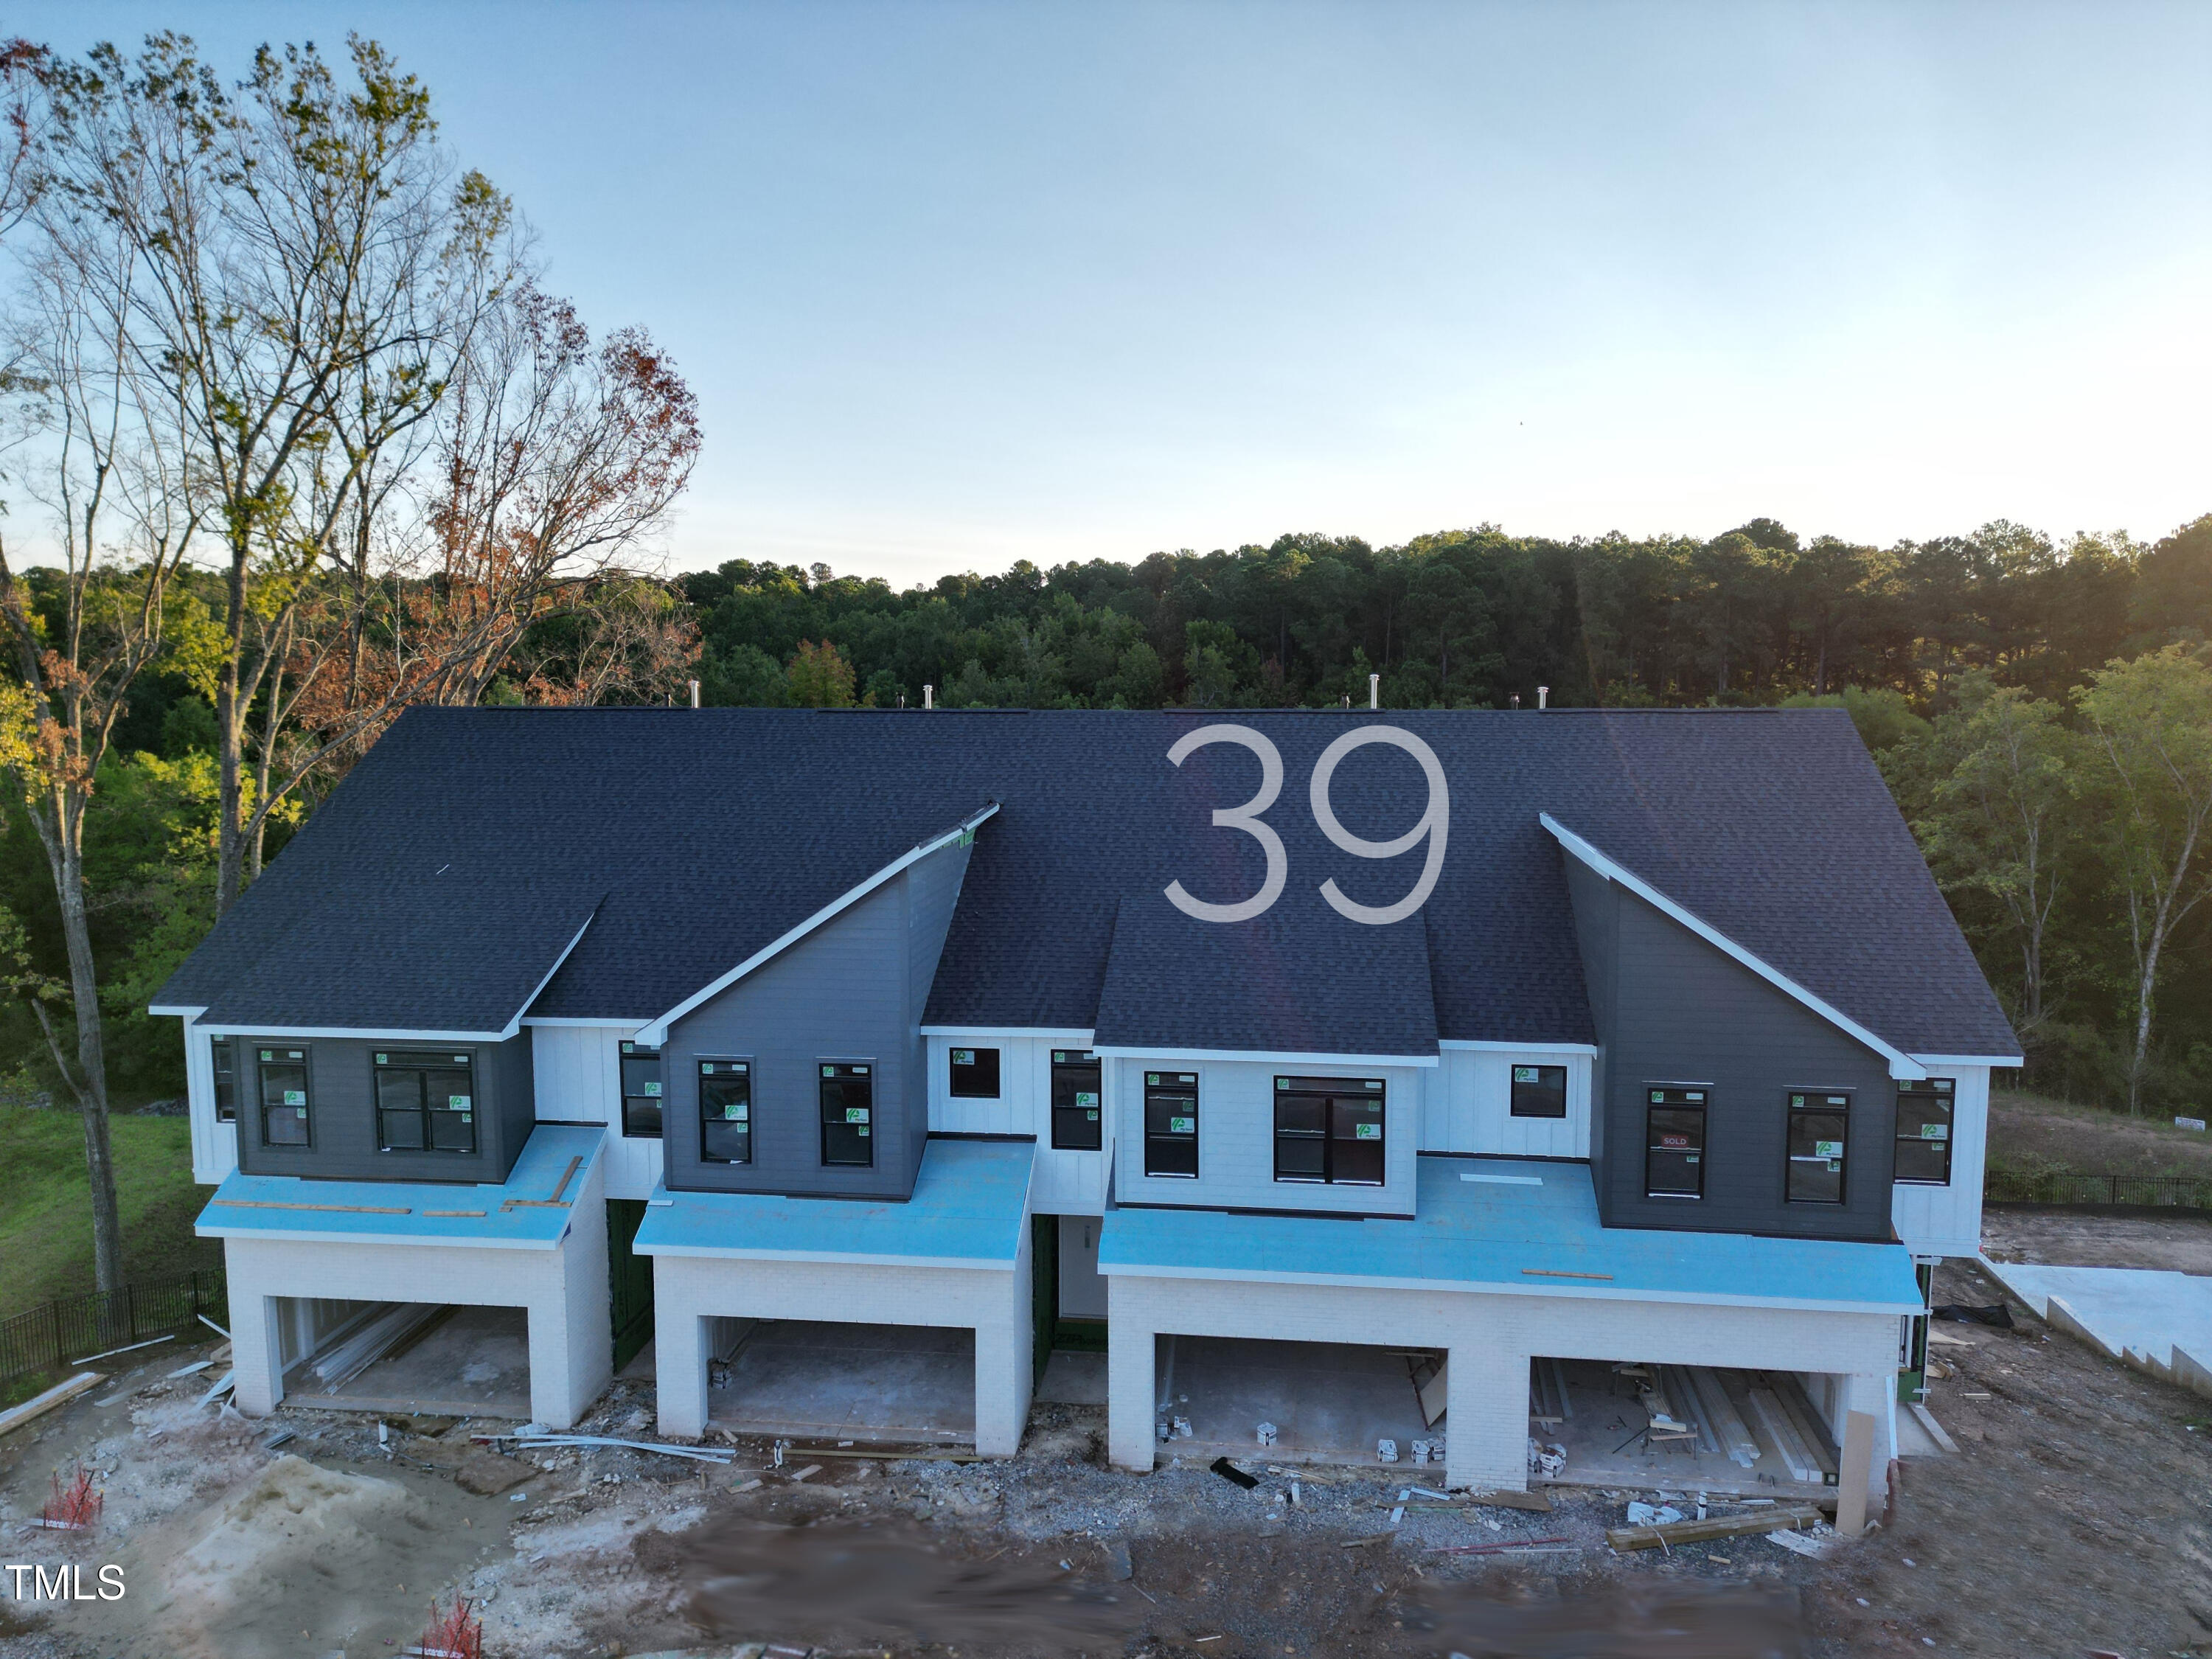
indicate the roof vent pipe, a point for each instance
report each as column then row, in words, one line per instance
column 1543, row 696
column 1374, row 690
column 929, row 696
column 694, row 693
column 1517, row 700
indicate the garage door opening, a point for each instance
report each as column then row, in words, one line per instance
column 1634, row 1422
column 1325, row 1402
column 807, row 1379
column 431, row 1358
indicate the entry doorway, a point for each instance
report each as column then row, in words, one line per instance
column 629, row 1279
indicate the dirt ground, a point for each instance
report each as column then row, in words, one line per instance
column 2026, row 1131
column 2181, row 1242
column 2077, row 1515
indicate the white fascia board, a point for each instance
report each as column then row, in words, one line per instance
column 1519, row 1047
column 1265, row 1056
column 1994, row 1061
column 625, row 1026
column 655, row 1031
column 412, row 1241
column 537, row 990
column 854, row 1258
column 365, row 1032
column 179, row 1011
column 1068, row 1035
column 1487, row 1287
column 1902, row 1065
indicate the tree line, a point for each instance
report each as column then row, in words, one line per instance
column 308, row 439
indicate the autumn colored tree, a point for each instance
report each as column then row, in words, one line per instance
column 816, row 677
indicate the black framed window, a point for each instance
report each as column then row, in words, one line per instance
column 1329, row 1130
column 426, row 1100
column 725, row 1111
column 1819, row 1121
column 641, row 1091
column 848, row 1101
column 281, row 1079
column 1925, row 1118
column 225, row 1052
column 1540, row 1092
column 1675, row 1143
column 975, row 1073
column 1078, row 1116
column 1171, row 1123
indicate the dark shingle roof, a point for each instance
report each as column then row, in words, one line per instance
column 1173, row 982
column 709, row 833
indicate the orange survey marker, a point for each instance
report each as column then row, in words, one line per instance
column 455, row 1635
column 75, row 1507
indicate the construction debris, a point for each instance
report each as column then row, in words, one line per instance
column 1719, row 1526
column 455, row 1634
column 380, row 1330
column 1996, row 1314
column 1817, row 1544
column 196, row 1367
column 128, row 1347
column 1265, row 1434
column 1229, row 1471
column 223, row 1385
column 1496, row 1547
column 1645, row 1515
column 76, row 1505
column 1534, row 1502
column 701, row 1454
column 1546, row 1458
column 1386, row 1451
column 38, row 1405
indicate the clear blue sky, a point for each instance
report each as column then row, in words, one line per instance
column 958, row 284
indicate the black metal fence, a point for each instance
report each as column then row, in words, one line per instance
column 74, row 1328
column 2071, row 1187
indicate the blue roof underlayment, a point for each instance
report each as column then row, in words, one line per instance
column 970, row 1202
column 1515, row 1226
column 414, row 1211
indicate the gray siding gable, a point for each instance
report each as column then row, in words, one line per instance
column 1672, row 1008
column 851, row 991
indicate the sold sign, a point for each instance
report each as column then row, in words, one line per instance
column 1433, row 823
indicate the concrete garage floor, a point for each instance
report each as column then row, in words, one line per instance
column 474, row 1362
column 1606, row 1414
column 1330, row 1401
column 798, row 1379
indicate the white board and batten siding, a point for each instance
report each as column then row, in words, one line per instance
column 1947, row 1220
column 215, row 1144
column 1061, row 1182
column 578, row 1071
column 1470, row 1100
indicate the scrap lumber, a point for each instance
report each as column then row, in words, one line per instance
column 555, row 1200
column 1534, row 1502
column 273, row 1204
column 1812, row 1427
column 701, row 1454
column 38, row 1405
column 1496, row 1547
column 361, row 1342
column 1669, row 1532
column 1689, row 1403
column 1736, row 1440
column 128, row 1347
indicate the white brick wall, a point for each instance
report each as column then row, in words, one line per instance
column 994, row 1304
column 1063, row 1182
column 1469, row 1106
column 577, row 1073
column 563, row 1289
column 1237, row 1139
column 1495, row 1335
column 1948, row 1220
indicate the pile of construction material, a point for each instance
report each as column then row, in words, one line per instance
column 378, row 1332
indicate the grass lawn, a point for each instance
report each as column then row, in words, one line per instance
column 2028, row 1131
column 45, row 1203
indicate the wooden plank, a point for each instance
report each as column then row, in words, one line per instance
column 1779, row 1429
column 567, row 1175
column 38, row 1405
column 272, row 1204
column 477, row 1213
column 1558, row 1272
column 1784, row 1518
column 1856, row 1473
column 1534, row 1502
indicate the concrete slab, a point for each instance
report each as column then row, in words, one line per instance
column 1330, row 1401
column 1605, row 1447
column 1074, row 1379
column 474, row 1362
column 804, row 1380
column 2157, row 1321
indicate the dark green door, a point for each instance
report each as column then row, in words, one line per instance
column 629, row 1276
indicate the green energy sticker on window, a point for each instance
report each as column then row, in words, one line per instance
column 856, row 1114
column 381, row 1059
column 457, row 1103
column 271, row 1053
column 1524, row 1074
column 1150, row 1077
column 1182, row 1126
column 295, row 1097
column 964, row 1056
column 862, row 1130
column 733, row 1111
column 1367, row 1132
column 1827, row 1149
column 829, row 1071
column 1935, row 1132
column 1086, row 1097
column 652, row 1090
column 1090, row 1116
